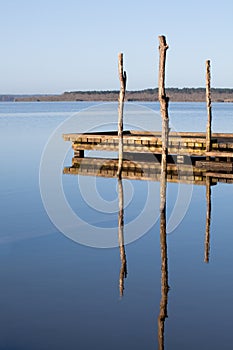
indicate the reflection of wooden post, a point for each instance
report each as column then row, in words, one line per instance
column 164, row 264
column 123, row 271
column 208, row 219
column 122, row 77
column 209, row 112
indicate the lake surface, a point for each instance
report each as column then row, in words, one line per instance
column 59, row 288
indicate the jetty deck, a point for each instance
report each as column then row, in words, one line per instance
column 134, row 141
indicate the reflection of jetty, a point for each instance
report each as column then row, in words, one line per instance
column 183, row 143
column 149, row 170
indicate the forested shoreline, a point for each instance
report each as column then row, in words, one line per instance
column 174, row 94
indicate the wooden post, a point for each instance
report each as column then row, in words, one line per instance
column 78, row 153
column 163, row 99
column 209, row 112
column 123, row 270
column 122, row 77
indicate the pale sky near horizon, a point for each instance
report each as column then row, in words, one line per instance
column 53, row 46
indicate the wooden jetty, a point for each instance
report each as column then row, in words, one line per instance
column 139, row 147
column 182, row 143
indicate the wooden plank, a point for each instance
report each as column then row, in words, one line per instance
column 219, row 175
column 149, row 134
column 219, row 154
column 181, row 133
column 212, row 165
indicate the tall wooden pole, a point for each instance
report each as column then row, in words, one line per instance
column 209, row 111
column 163, row 99
column 122, row 78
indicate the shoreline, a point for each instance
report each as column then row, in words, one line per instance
column 148, row 95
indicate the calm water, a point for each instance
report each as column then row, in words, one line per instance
column 59, row 294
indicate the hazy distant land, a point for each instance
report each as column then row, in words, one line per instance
column 175, row 94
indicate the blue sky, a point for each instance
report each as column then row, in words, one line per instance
column 52, row 46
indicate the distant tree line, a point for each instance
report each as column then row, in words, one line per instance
column 174, row 94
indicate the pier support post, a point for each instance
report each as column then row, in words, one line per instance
column 163, row 99
column 209, row 111
column 78, row 153
column 122, row 77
